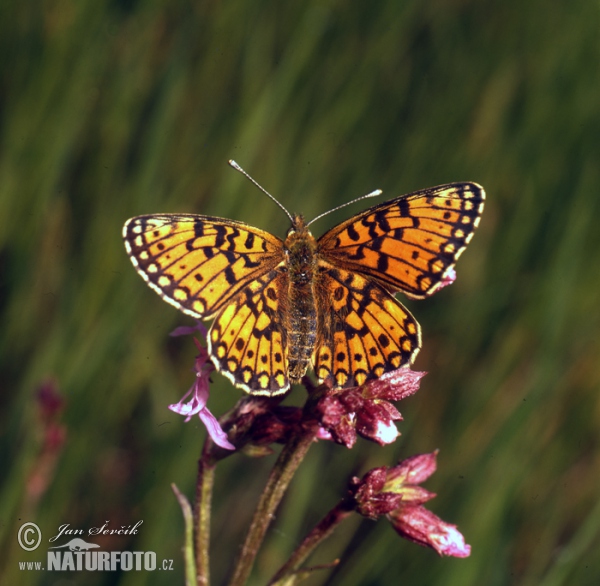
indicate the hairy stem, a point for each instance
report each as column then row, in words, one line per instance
column 288, row 461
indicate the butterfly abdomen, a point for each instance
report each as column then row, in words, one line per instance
column 300, row 249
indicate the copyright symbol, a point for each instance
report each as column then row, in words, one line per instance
column 30, row 536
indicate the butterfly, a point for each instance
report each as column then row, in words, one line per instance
column 280, row 306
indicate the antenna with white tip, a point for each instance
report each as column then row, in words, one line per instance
column 372, row 194
column 238, row 168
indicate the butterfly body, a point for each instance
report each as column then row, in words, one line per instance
column 300, row 252
column 282, row 306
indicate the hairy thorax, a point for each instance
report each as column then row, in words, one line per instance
column 301, row 260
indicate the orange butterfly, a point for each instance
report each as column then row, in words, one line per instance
column 281, row 306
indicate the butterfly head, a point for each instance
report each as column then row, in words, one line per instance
column 298, row 228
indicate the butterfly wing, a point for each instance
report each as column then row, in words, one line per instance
column 409, row 243
column 199, row 263
column 248, row 339
column 363, row 331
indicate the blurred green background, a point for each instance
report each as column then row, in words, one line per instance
column 112, row 109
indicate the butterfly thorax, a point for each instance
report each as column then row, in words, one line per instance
column 301, row 264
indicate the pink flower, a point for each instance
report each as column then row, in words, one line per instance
column 197, row 404
column 367, row 410
column 395, row 492
column 371, row 499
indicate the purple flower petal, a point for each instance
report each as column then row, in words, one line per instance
column 395, row 385
column 385, row 433
column 190, row 330
column 413, row 470
column 214, row 430
column 197, row 404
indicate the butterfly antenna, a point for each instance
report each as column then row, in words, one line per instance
column 375, row 193
column 238, row 168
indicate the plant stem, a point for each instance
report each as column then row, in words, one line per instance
column 321, row 531
column 286, row 465
column 202, row 506
column 188, row 548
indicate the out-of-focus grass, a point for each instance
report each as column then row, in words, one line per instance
column 108, row 110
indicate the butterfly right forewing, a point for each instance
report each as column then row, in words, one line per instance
column 409, row 243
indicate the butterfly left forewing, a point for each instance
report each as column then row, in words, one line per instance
column 409, row 243
column 363, row 331
column 199, row 263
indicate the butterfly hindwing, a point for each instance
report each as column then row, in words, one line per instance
column 409, row 243
column 363, row 331
column 248, row 340
column 198, row 263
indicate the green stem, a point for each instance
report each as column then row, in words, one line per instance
column 204, row 489
column 321, row 532
column 286, row 465
column 188, row 548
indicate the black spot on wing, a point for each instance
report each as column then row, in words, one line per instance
column 382, row 263
column 352, row 233
column 403, row 208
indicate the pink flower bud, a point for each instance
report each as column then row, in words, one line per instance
column 421, row 526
